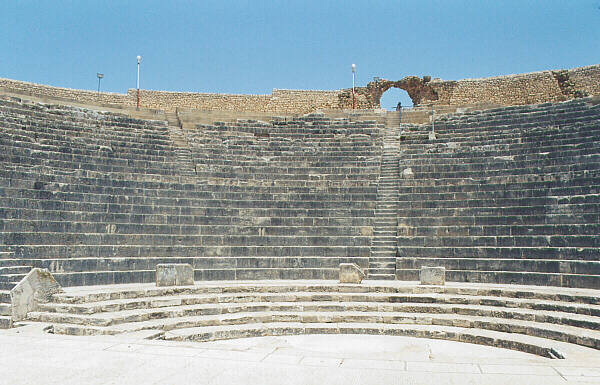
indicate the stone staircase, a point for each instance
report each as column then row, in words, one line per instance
column 382, row 263
column 183, row 154
column 528, row 319
column 12, row 271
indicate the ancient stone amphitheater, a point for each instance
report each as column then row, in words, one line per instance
column 506, row 199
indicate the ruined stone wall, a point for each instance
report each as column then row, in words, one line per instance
column 280, row 101
column 586, row 79
column 535, row 87
column 529, row 88
column 82, row 96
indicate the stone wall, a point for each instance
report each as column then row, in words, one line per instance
column 535, row 87
column 529, row 88
column 280, row 101
column 82, row 96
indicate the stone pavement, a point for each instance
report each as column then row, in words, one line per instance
column 30, row 356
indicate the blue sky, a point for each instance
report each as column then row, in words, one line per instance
column 254, row 46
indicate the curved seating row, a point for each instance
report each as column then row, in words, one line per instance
column 520, row 318
column 509, row 195
column 101, row 198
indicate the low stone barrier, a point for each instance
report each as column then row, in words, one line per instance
column 38, row 286
column 351, row 273
column 433, row 275
column 174, row 274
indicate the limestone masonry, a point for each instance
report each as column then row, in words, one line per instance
column 272, row 221
column 529, row 88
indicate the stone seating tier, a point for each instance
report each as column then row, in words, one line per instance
column 98, row 198
column 512, row 188
column 509, row 195
column 529, row 319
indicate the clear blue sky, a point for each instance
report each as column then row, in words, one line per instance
column 254, row 46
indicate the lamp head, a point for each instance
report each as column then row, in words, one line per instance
column 353, row 67
column 139, row 58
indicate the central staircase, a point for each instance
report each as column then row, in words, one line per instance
column 382, row 263
column 183, row 154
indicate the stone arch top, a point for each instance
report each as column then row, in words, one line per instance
column 417, row 88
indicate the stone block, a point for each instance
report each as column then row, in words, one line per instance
column 174, row 274
column 407, row 173
column 351, row 273
column 433, row 275
column 37, row 287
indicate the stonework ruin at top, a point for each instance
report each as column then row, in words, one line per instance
column 529, row 88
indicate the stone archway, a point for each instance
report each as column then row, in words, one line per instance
column 390, row 99
column 417, row 88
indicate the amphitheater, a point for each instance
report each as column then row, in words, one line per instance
column 261, row 198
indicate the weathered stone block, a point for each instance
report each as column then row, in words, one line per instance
column 433, row 275
column 351, row 273
column 37, row 287
column 407, row 173
column 174, row 274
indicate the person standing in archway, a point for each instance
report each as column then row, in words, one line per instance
column 399, row 106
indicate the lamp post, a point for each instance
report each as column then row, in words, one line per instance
column 139, row 59
column 100, row 76
column 353, row 97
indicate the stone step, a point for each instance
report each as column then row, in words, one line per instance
column 14, row 270
column 533, row 294
column 375, row 271
column 5, row 296
column 527, row 344
column 298, row 309
column 7, row 285
column 563, row 333
column 10, row 262
column 373, row 264
column 4, row 278
column 505, row 264
column 561, row 240
column 54, row 239
column 512, row 277
column 381, row 277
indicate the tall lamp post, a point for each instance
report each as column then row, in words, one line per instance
column 139, row 59
column 353, row 97
column 100, row 76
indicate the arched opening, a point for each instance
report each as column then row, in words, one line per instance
column 390, row 98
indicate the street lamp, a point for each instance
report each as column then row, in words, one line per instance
column 139, row 59
column 353, row 97
column 100, row 76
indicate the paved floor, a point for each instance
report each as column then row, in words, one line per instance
column 30, row 356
